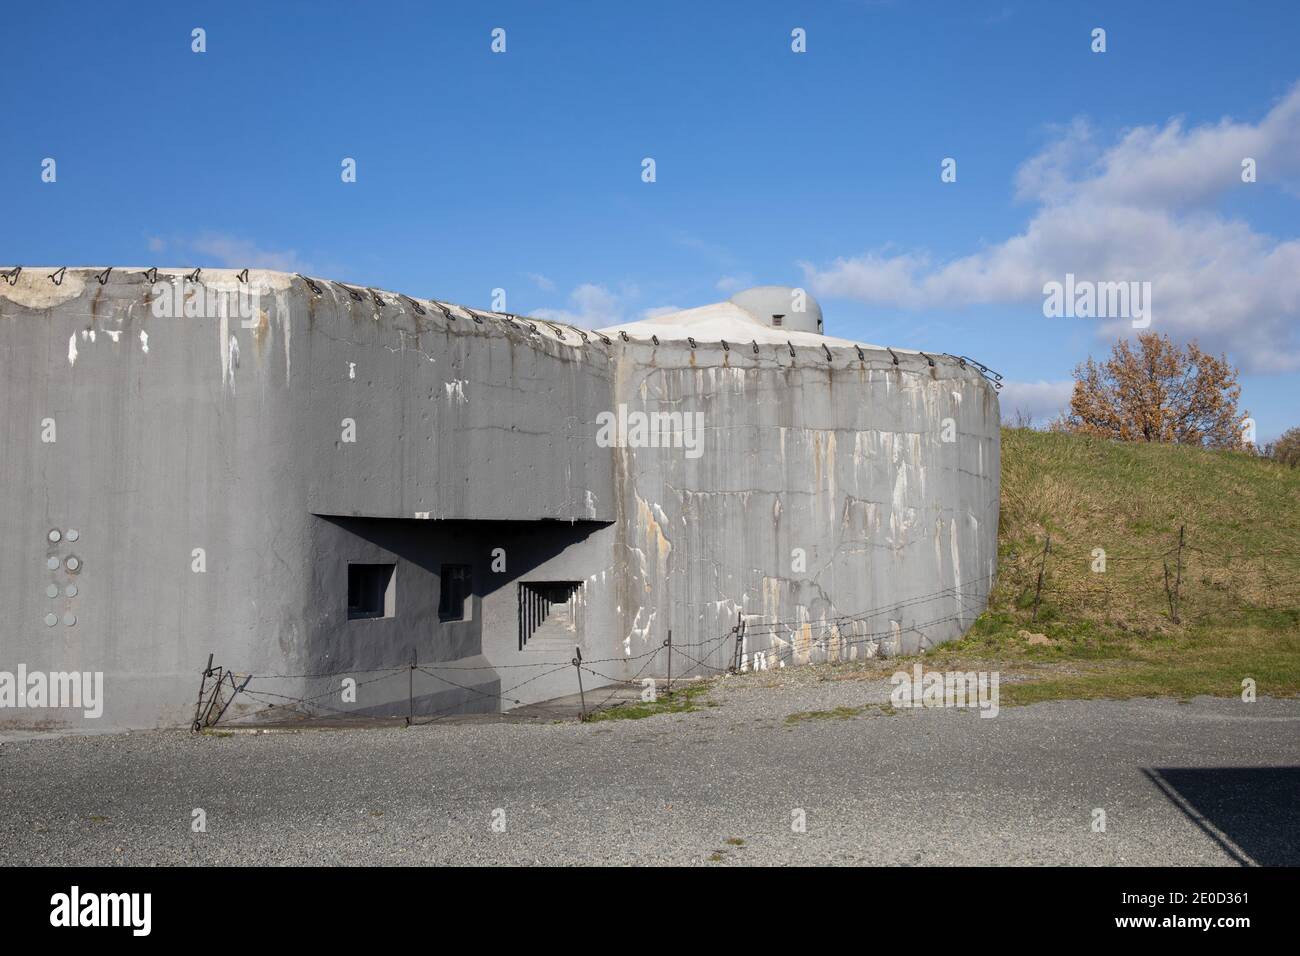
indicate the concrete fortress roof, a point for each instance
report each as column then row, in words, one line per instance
column 721, row 321
column 770, row 316
column 764, row 314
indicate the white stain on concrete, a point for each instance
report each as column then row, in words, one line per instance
column 72, row 349
column 282, row 310
column 232, row 360
column 456, row 391
column 640, row 631
column 223, row 348
column 956, row 568
column 144, row 341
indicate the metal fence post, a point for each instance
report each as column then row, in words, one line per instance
column 582, row 696
column 410, row 689
column 198, row 707
column 1042, row 568
column 1178, row 580
column 740, row 642
column 669, row 644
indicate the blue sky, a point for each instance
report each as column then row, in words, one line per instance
column 522, row 170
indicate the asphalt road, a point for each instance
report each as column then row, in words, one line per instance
column 1207, row 782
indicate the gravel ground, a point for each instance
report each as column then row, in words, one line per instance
column 1206, row 782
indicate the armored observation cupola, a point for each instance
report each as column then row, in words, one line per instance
column 781, row 307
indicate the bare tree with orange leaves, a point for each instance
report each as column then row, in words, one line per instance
column 1157, row 392
column 1287, row 448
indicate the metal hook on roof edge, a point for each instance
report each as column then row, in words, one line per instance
column 58, row 272
column 985, row 371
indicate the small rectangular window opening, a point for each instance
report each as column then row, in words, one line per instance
column 454, row 590
column 371, row 591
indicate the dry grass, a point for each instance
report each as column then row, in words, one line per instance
column 1241, row 517
column 1239, row 599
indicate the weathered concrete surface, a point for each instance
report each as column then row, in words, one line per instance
column 224, row 459
column 825, row 490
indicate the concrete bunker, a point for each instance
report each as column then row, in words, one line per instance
column 440, row 504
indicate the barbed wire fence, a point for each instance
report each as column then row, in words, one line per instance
column 834, row 639
column 1183, row 585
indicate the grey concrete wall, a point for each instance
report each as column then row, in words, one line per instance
column 227, row 435
column 163, row 443
column 454, row 418
column 845, row 459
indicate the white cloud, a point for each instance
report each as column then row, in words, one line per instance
column 231, row 252
column 594, row 306
column 734, row 283
column 542, row 282
column 1141, row 210
column 591, row 306
column 1040, row 401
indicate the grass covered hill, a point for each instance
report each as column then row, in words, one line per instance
column 1130, row 611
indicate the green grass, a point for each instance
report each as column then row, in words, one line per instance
column 839, row 713
column 1111, row 633
column 680, row 701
